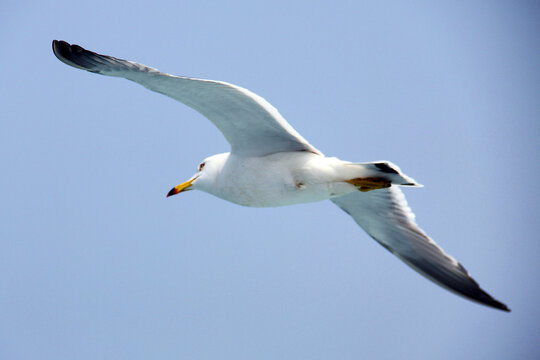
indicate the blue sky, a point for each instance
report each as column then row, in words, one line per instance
column 95, row 262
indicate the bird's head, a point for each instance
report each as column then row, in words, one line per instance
column 205, row 177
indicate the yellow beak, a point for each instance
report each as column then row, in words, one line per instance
column 182, row 187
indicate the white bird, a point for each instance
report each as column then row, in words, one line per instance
column 270, row 164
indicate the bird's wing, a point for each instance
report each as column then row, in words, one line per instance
column 250, row 124
column 386, row 217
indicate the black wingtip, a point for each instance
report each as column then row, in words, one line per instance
column 64, row 52
column 499, row 305
column 73, row 55
column 488, row 300
column 475, row 293
column 61, row 49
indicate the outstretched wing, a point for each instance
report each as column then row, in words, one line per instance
column 250, row 124
column 386, row 217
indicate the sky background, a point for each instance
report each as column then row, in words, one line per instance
column 95, row 262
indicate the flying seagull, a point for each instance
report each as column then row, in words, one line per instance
column 270, row 164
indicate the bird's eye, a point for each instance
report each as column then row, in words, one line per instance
column 201, row 166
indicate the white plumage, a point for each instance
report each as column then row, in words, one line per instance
column 270, row 164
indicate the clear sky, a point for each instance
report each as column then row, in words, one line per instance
column 95, row 262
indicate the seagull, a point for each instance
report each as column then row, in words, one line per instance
column 270, row 164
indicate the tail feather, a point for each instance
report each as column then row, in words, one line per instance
column 389, row 171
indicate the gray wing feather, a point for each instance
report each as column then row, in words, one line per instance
column 250, row 124
column 385, row 215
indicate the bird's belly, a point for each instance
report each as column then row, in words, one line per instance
column 272, row 195
column 280, row 179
